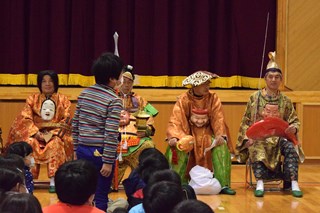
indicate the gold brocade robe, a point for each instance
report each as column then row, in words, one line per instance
column 267, row 151
column 180, row 125
column 59, row 148
column 132, row 103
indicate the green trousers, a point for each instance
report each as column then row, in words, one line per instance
column 221, row 161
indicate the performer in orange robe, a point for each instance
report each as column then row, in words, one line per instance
column 49, row 134
column 186, row 119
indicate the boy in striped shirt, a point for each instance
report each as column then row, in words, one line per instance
column 96, row 123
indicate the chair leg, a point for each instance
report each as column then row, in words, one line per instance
column 248, row 177
column 271, row 185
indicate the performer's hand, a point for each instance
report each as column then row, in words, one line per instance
column 39, row 136
column 141, row 134
column 75, row 156
column 220, row 140
column 106, row 170
column 249, row 143
column 291, row 130
column 172, row 141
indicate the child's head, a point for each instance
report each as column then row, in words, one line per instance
column 120, row 210
column 20, row 202
column 76, row 182
column 22, row 149
column 192, row 206
column 150, row 161
column 161, row 196
column 147, row 153
column 11, row 178
column 165, row 175
column 12, row 160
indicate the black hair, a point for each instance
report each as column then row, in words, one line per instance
column 161, row 197
column 53, row 75
column 13, row 160
column 192, row 206
column 148, row 152
column 76, row 181
column 273, row 69
column 107, row 66
column 10, row 176
column 151, row 161
column 20, row 202
column 20, row 148
column 120, row 210
column 165, row 175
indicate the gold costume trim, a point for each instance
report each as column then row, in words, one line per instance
column 144, row 81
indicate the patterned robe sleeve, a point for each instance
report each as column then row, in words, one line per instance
column 178, row 125
column 244, row 125
column 217, row 119
column 290, row 115
column 27, row 116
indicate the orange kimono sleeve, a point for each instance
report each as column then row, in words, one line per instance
column 23, row 125
column 178, row 125
column 217, row 120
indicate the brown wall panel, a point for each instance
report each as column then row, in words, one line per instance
column 311, row 133
column 234, row 103
column 302, row 45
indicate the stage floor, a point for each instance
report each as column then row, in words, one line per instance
column 244, row 201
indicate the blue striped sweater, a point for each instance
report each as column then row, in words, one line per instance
column 96, row 120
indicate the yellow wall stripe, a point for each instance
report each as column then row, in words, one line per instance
column 143, row 81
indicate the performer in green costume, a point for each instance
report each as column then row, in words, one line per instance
column 197, row 132
column 265, row 154
column 136, row 124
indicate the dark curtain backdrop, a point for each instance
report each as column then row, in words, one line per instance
column 157, row 37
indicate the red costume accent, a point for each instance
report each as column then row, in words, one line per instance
column 269, row 127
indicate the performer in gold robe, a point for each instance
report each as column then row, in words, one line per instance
column 133, row 140
column 265, row 154
column 44, row 123
column 198, row 113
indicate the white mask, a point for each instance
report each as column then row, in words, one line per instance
column 32, row 162
column 48, row 110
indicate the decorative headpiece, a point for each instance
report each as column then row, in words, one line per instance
column 127, row 75
column 128, row 72
column 272, row 64
column 198, row 78
column 199, row 111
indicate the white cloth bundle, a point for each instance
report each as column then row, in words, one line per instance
column 202, row 181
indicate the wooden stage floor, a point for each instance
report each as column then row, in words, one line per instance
column 244, row 201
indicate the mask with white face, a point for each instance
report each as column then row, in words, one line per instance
column 48, row 110
column 32, row 162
